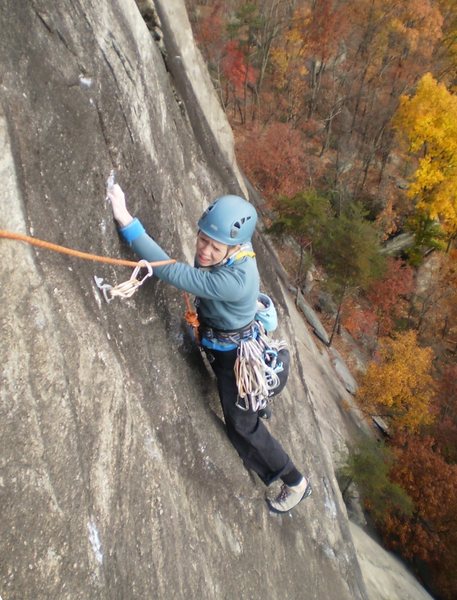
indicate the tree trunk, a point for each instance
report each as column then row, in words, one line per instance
column 445, row 327
column 316, row 79
column 337, row 318
column 358, row 99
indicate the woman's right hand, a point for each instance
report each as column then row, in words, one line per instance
column 117, row 199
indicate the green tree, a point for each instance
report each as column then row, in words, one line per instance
column 368, row 465
column 428, row 235
column 349, row 250
column 304, row 216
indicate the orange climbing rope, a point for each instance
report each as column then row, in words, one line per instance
column 10, row 235
column 190, row 314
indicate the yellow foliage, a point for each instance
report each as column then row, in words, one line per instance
column 449, row 10
column 429, row 122
column 399, row 385
column 288, row 57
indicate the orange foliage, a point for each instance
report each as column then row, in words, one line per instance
column 360, row 322
column 388, row 295
column 274, row 158
column 399, row 385
column 430, row 534
column 436, row 302
column 445, row 429
column 209, row 29
column 326, row 26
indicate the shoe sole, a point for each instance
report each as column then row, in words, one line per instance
column 308, row 491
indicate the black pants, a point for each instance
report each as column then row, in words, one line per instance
column 258, row 449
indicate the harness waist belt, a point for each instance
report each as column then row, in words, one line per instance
column 221, row 335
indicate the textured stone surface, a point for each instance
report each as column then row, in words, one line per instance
column 116, row 478
column 385, row 574
column 343, row 372
column 312, row 318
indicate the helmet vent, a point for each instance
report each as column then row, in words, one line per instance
column 235, row 230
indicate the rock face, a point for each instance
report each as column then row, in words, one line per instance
column 117, row 480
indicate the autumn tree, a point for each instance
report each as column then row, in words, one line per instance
column 446, row 57
column 302, row 54
column 430, row 534
column 361, row 322
column 434, row 304
column 445, row 428
column 273, row 157
column 368, row 465
column 289, row 68
column 209, row 31
column 388, row 295
column 240, row 76
column 395, row 43
column 399, row 385
column 273, row 16
column 428, row 122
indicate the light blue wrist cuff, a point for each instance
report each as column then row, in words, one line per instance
column 132, row 231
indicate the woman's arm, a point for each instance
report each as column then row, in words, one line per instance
column 220, row 284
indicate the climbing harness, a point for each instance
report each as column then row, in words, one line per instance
column 257, row 369
column 234, row 337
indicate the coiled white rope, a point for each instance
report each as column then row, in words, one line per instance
column 255, row 372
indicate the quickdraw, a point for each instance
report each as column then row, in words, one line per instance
column 123, row 290
column 127, row 288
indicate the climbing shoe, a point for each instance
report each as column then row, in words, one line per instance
column 290, row 496
column 265, row 413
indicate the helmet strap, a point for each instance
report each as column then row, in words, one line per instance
column 230, row 259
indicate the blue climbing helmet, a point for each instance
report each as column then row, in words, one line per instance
column 230, row 220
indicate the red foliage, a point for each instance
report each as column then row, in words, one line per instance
column 273, row 157
column 360, row 322
column 236, row 68
column 430, row 534
column 328, row 25
column 445, row 429
column 209, row 30
column 388, row 294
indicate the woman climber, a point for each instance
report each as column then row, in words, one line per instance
column 225, row 282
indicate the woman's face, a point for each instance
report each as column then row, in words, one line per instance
column 210, row 252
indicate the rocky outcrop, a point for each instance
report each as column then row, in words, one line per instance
column 312, row 318
column 117, row 480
